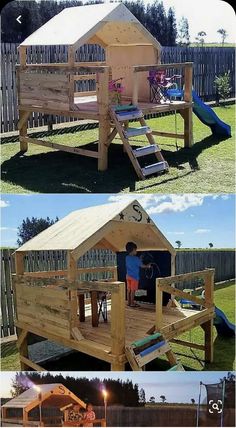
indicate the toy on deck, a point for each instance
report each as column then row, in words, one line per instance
column 145, row 350
column 116, row 89
column 162, row 87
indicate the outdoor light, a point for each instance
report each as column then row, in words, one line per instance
column 105, row 394
column 38, row 389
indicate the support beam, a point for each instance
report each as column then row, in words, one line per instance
column 188, row 113
column 159, row 295
column 104, row 119
column 209, row 346
column 22, row 126
column 118, row 327
column 72, row 276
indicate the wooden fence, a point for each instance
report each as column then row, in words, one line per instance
column 208, row 62
column 186, row 261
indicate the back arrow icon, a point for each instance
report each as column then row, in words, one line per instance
column 18, row 19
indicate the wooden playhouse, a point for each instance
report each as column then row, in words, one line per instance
column 131, row 53
column 63, row 306
column 41, row 406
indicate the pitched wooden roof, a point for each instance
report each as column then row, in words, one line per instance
column 116, row 223
column 105, row 24
column 56, row 395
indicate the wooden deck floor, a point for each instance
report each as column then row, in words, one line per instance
column 138, row 322
column 89, row 103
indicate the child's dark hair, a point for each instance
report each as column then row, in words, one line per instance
column 130, row 246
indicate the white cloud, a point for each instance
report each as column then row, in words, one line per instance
column 157, row 204
column 4, row 204
column 202, row 231
column 9, row 228
column 176, row 233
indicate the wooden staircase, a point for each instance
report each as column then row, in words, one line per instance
column 121, row 115
column 143, row 351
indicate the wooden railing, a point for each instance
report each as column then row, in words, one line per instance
column 187, row 68
column 115, row 289
column 97, row 71
column 167, row 285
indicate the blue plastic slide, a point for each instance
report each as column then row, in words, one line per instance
column 207, row 116
column 222, row 324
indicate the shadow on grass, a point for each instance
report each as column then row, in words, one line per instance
column 61, row 172
column 224, row 354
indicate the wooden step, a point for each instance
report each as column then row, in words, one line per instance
column 134, row 132
column 155, row 167
column 125, row 107
column 146, row 150
column 129, row 115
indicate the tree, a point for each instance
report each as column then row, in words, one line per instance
column 31, row 227
column 171, row 28
column 163, row 398
column 223, row 33
column 152, row 400
column 120, row 392
column 200, row 37
column 142, row 396
column 192, row 400
column 183, row 32
column 229, row 402
column 19, row 384
column 210, row 245
column 179, row 243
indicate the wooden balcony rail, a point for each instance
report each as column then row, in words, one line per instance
column 166, row 285
column 187, row 67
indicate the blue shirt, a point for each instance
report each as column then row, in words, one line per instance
column 133, row 264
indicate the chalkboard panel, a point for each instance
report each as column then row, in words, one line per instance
column 161, row 267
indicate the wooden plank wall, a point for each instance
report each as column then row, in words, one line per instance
column 43, row 261
column 208, row 62
column 186, row 261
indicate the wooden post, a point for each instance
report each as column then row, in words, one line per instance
column 94, row 308
column 72, row 276
column 208, row 326
column 23, row 130
column 23, row 345
column 188, row 112
column 71, row 56
column 104, row 119
column 159, row 294
column 22, row 55
column 25, row 418
column 118, row 326
column 135, row 88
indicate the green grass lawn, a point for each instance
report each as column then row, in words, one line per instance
column 223, row 347
column 207, row 167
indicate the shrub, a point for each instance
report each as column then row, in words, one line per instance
column 223, row 87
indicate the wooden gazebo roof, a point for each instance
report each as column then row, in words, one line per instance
column 104, row 24
column 107, row 226
column 53, row 395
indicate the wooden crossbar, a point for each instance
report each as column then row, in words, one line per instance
column 62, row 147
column 181, row 65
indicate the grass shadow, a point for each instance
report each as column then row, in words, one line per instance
column 61, row 172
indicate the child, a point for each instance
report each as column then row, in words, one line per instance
column 133, row 264
column 89, row 416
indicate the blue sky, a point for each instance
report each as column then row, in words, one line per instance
column 204, row 15
column 194, row 219
column 176, row 386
